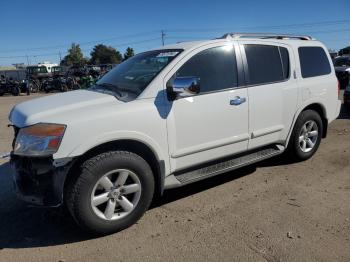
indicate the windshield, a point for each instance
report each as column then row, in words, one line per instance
column 33, row 70
column 343, row 61
column 134, row 74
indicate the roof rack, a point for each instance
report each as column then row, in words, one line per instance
column 266, row 36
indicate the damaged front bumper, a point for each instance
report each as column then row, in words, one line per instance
column 40, row 180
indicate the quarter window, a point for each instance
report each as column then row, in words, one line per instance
column 216, row 67
column 285, row 61
column 313, row 61
column 267, row 64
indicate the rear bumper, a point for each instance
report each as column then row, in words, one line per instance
column 39, row 181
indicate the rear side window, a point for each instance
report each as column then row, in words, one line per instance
column 216, row 67
column 313, row 61
column 267, row 64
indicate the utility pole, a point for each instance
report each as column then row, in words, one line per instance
column 59, row 54
column 163, row 36
column 27, row 60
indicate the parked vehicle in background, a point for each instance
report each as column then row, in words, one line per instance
column 57, row 81
column 347, row 97
column 8, row 85
column 35, row 77
column 169, row 117
column 342, row 70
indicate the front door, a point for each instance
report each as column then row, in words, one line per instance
column 213, row 123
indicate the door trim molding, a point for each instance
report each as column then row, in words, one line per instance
column 210, row 145
column 267, row 131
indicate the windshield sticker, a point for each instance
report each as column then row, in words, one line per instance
column 167, row 54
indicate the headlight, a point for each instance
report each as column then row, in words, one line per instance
column 39, row 140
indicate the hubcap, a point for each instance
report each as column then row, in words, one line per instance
column 116, row 194
column 308, row 136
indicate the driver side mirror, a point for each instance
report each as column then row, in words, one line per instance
column 185, row 86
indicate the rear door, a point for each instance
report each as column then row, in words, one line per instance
column 272, row 91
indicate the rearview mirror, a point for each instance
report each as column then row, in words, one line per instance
column 186, row 86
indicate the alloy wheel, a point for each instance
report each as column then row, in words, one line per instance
column 308, row 136
column 116, row 194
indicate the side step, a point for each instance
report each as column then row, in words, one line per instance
column 223, row 166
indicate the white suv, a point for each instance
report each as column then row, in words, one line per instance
column 169, row 117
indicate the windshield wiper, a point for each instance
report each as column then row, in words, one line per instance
column 111, row 87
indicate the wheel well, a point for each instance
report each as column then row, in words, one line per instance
column 321, row 111
column 136, row 147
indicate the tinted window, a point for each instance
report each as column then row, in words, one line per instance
column 285, row 61
column 264, row 64
column 313, row 61
column 216, row 68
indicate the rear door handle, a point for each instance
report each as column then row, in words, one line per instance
column 237, row 101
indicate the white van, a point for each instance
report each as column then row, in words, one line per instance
column 172, row 116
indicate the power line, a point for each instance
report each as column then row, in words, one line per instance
column 193, row 30
column 81, row 43
column 310, row 32
column 320, row 23
column 84, row 50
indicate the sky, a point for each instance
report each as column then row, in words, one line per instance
column 36, row 31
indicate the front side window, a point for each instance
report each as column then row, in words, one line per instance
column 215, row 67
column 313, row 61
column 133, row 75
column 266, row 63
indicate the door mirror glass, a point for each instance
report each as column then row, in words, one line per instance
column 185, row 86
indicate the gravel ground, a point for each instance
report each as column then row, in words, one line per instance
column 271, row 211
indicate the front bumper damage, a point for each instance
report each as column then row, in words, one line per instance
column 40, row 180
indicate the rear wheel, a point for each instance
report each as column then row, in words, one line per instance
column 33, row 87
column 112, row 192
column 306, row 136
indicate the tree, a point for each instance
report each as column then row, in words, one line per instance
column 74, row 56
column 344, row 51
column 128, row 53
column 102, row 54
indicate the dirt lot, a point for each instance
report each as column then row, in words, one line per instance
column 273, row 211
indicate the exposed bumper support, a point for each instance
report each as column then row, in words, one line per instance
column 39, row 180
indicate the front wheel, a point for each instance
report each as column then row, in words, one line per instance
column 112, row 192
column 15, row 91
column 306, row 136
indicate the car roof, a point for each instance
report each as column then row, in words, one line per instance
column 193, row 44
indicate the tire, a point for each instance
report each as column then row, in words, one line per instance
column 81, row 191
column 300, row 138
column 347, row 106
column 33, row 88
column 64, row 88
column 15, row 91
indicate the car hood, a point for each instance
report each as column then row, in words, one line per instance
column 50, row 108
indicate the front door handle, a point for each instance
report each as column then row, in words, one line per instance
column 237, row 101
